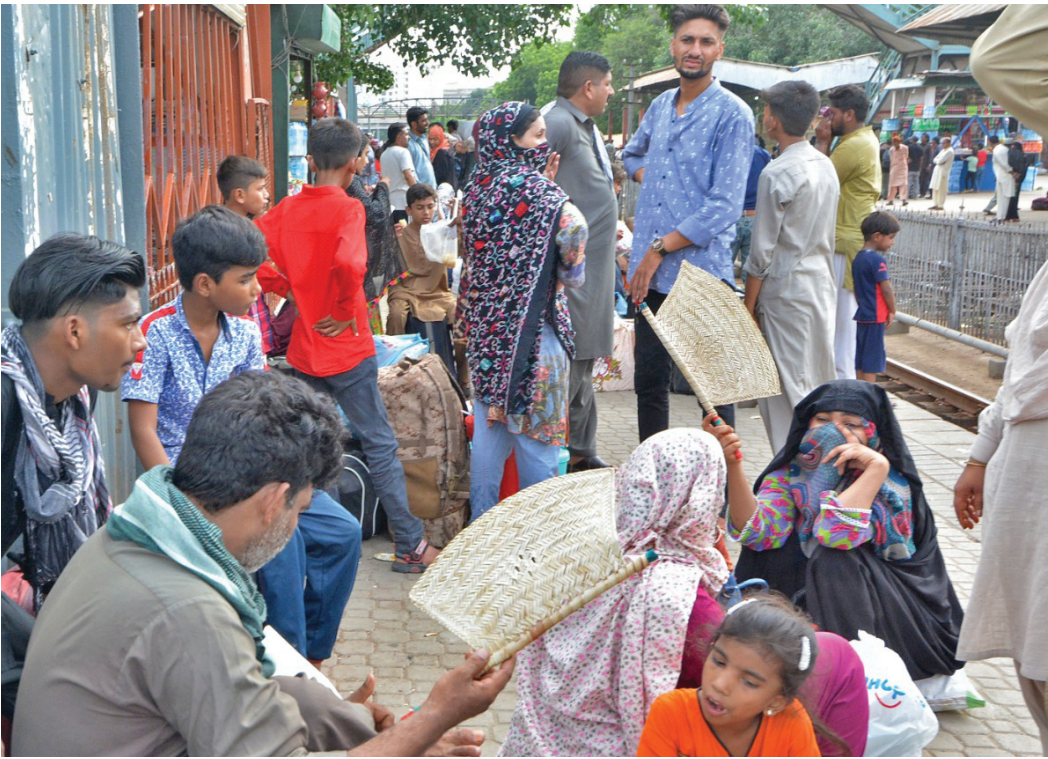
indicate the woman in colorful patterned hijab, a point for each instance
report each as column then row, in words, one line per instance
column 840, row 525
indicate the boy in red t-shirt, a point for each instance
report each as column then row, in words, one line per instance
column 874, row 293
column 318, row 251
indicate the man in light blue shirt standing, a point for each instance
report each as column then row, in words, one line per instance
column 692, row 154
column 418, row 145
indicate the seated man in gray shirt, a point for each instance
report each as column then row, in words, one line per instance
column 151, row 640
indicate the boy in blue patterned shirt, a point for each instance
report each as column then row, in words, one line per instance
column 193, row 344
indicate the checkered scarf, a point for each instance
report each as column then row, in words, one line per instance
column 59, row 471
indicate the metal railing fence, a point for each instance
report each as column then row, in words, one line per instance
column 964, row 274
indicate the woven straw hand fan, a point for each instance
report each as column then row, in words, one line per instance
column 714, row 340
column 528, row 563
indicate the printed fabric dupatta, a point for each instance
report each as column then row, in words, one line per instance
column 510, row 219
column 586, row 686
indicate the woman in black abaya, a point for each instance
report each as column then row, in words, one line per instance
column 840, row 524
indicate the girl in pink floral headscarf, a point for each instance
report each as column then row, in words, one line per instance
column 585, row 687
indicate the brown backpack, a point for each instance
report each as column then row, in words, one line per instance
column 425, row 407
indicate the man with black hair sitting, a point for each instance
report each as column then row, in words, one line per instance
column 77, row 298
column 151, row 641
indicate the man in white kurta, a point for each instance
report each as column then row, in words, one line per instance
column 940, row 183
column 1002, row 172
column 1008, row 611
column 1004, row 484
column 790, row 287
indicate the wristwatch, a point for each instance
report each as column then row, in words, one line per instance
column 659, row 246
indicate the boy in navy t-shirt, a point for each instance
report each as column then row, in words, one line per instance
column 874, row 293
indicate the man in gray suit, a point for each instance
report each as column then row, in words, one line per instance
column 583, row 90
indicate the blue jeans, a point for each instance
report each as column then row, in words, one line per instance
column 356, row 391
column 740, row 246
column 322, row 555
column 914, row 189
column 492, row 444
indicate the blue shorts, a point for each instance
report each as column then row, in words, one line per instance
column 869, row 347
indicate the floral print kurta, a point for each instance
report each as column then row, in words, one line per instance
column 548, row 420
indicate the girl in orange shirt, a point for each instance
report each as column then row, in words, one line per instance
column 747, row 706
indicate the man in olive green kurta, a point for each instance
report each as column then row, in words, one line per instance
column 583, row 90
column 857, row 161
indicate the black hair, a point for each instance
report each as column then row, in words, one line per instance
column 415, row 113
column 579, row 67
column 453, row 125
column 420, row 191
column 994, row 139
column 776, row 628
column 523, row 124
column 254, row 429
column 771, row 624
column 237, row 172
column 682, row 14
column 879, row 221
column 333, row 142
column 211, row 241
column 850, row 97
column 69, row 271
column 435, row 124
column 794, row 104
column 759, row 140
column 392, row 132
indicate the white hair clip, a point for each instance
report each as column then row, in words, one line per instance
column 805, row 661
column 740, row 604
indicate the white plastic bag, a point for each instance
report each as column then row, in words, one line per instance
column 901, row 722
column 615, row 372
column 440, row 239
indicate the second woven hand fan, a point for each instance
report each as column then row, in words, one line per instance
column 528, row 563
column 714, row 340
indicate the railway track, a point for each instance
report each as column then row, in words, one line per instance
column 947, row 401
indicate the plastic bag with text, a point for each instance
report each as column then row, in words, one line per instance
column 901, row 722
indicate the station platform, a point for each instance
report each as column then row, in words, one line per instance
column 384, row 633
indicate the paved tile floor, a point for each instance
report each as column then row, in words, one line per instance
column 384, row 633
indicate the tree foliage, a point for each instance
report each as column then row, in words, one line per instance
column 471, row 37
column 797, row 34
column 534, row 75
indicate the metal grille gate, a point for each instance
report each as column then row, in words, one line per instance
column 206, row 91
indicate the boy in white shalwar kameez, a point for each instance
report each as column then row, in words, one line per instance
column 790, row 288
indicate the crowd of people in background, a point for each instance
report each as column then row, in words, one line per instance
column 148, row 635
column 920, row 169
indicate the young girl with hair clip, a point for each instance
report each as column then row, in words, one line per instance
column 748, row 703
